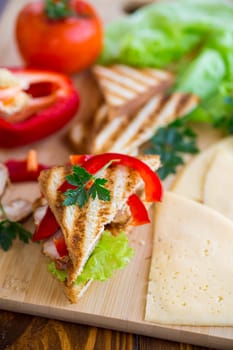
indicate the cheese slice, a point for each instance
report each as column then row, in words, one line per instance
column 191, row 275
column 125, row 89
column 218, row 189
column 190, row 181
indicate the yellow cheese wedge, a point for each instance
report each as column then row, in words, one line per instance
column 191, row 275
column 218, row 189
column 190, row 182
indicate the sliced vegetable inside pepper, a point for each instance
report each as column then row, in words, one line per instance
column 33, row 105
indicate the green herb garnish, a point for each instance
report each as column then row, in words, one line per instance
column 58, row 9
column 171, row 143
column 86, row 185
column 10, row 230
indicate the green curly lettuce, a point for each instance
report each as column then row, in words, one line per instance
column 110, row 254
column 193, row 38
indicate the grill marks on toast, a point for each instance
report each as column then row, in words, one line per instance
column 125, row 88
column 127, row 133
column 91, row 220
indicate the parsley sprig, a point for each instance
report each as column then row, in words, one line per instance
column 171, row 143
column 10, row 230
column 86, row 185
column 174, row 140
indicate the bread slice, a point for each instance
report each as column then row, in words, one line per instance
column 125, row 88
column 82, row 227
column 127, row 133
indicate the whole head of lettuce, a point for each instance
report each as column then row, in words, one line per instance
column 110, row 254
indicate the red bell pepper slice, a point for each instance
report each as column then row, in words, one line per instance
column 18, row 171
column 54, row 103
column 47, row 227
column 60, row 245
column 25, row 170
column 138, row 210
column 153, row 185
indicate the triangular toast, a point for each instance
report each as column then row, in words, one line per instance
column 125, row 88
column 127, row 134
column 82, row 227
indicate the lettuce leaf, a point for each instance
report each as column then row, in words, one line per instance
column 172, row 28
column 110, row 254
column 204, row 75
column 193, row 38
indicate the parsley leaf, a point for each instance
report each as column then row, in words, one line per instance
column 171, row 143
column 9, row 230
column 86, row 185
column 98, row 189
column 78, row 196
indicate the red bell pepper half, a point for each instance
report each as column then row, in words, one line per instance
column 53, row 103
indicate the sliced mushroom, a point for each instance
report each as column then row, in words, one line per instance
column 4, row 178
column 17, row 209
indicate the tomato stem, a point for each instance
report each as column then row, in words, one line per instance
column 58, row 9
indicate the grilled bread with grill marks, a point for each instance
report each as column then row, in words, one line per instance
column 127, row 134
column 82, row 227
column 125, row 88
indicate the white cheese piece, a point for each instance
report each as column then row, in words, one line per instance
column 191, row 275
column 218, row 189
column 190, row 182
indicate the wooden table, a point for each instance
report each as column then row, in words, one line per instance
column 20, row 331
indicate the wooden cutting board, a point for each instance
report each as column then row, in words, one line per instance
column 25, row 284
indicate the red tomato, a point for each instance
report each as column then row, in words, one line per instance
column 68, row 45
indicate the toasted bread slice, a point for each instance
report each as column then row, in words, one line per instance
column 127, row 134
column 125, row 88
column 82, row 227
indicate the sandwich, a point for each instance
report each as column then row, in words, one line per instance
column 136, row 103
column 90, row 207
column 127, row 134
column 125, row 89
